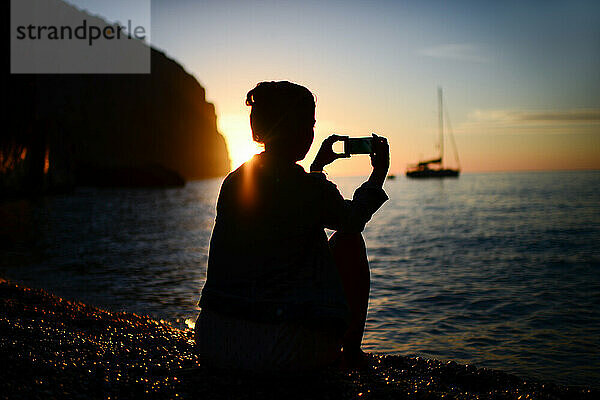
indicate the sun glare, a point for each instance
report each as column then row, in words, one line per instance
column 236, row 130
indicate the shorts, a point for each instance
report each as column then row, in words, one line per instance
column 227, row 342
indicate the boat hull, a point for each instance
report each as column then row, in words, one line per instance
column 433, row 173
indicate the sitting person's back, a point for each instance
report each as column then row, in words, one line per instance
column 269, row 257
column 274, row 299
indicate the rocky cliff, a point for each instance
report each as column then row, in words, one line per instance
column 130, row 129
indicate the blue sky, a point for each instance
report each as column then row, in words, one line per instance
column 520, row 74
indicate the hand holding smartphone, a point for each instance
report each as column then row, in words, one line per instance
column 351, row 145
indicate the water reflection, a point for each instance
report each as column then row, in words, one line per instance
column 138, row 250
column 500, row 270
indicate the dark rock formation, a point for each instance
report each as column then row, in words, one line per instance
column 66, row 130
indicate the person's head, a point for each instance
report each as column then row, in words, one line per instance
column 282, row 118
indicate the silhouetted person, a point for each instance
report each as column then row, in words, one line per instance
column 278, row 295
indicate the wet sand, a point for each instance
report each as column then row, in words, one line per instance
column 55, row 348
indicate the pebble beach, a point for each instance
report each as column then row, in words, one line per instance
column 53, row 348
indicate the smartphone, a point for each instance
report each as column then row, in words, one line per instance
column 363, row 145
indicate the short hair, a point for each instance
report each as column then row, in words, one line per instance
column 279, row 108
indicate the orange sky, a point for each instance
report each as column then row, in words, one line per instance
column 491, row 145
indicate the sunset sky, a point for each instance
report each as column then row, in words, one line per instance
column 521, row 79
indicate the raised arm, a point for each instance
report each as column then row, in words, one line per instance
column 352, row 215
column 380, row 160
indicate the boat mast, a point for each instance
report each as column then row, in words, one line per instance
column 451, row 134
column 441, row 126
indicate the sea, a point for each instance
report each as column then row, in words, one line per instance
column 496, row 270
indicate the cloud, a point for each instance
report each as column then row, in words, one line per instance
column 455, row 51
column 572, row 121
column 552, row 116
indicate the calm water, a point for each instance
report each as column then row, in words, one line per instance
column 496, row 270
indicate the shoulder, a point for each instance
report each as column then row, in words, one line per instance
column 244, row 184
column 236, row 176
column 231, row 184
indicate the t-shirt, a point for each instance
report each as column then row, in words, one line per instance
column 269, row 257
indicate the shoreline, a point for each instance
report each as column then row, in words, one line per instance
column 58, row 348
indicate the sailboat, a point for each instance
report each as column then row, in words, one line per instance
column 434, row 168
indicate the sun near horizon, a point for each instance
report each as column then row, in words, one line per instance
column 235, row 128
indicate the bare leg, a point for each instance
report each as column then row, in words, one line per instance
column 350, row 255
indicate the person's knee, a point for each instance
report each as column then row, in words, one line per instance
column 349, row 251
column 347, row 239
